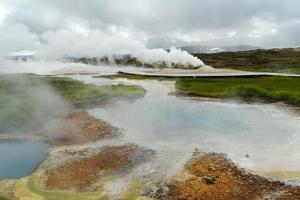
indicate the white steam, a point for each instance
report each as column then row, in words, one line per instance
column 83, row 43
column 27, row 103
column 43, row 67
column 174, row 56
column 79, row 41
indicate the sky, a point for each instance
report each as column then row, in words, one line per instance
column 56, row 28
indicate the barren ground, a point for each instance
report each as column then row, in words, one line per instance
column 216, row 177
column 78, row 127
column 82, row 173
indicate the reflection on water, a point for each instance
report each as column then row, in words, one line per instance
column 20, row 157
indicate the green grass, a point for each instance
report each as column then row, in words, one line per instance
column 34, row 186
column 80, row 94
column 31, row 188
column 26, row 102
column 289, row 70
column 267, row 89
column 3, row 198
column 272, row 60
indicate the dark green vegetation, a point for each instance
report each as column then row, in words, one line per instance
column 80, row 94
column 267, row 89
column 27, row 101
column 273, row 60
column 126, row 60
column 3, row 198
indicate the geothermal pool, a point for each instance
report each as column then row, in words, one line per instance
column 20, row 157
column 262, row 138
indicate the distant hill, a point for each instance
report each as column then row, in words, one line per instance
column 194, row 49
column 26, row 55
column 274, row 60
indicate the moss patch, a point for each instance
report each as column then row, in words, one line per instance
column 268, row 89
column 80, row 94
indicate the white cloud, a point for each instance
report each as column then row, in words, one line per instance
column 263, row 27
column 16, row 37
column 97, row 44
column 152, row 23
column 3, row 14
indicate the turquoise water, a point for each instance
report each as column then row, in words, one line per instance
column 259, row 137
column 19, row 158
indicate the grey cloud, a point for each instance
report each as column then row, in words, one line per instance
column 165, row 23
column 16, row 37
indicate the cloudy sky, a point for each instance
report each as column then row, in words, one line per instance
column 54, row 27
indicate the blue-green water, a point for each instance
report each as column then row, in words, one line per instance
column 260, row 137
column 169, row 124
column 19, row 158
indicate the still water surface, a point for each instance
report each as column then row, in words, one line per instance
column 19, row 158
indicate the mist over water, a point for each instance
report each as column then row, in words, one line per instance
column 175, row 127
column 43, row 67
column 26, row 103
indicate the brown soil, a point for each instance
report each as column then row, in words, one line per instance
column 216, row 177
column 80, row 174
column 77, row 127
column 293, row 194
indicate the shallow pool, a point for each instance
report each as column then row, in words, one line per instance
column 262, row 138
column 19, row 158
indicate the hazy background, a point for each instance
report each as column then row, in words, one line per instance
column 55, row 28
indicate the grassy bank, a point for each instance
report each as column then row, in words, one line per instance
column 267, row 89
column 34, row 188
column 273, row 60
column 28, row 101
column 80, row 94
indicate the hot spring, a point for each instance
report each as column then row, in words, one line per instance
column 258, row 137
column 20, row 157
column 262, row 138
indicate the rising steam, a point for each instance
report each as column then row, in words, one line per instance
column 26, row 103
column 97, row 44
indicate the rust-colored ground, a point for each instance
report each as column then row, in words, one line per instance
column 80, row 174
column 217, row 178
column 78, row 127
column 293, row 194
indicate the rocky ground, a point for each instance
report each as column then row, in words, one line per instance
column 213, row 176
column 82, row 169
column 77, row 127
column 80, row 174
